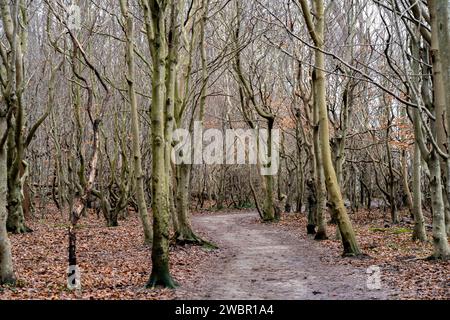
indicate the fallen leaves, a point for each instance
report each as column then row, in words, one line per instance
column 403, row 262
column 114, row 262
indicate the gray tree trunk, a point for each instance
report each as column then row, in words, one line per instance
column 6, row 265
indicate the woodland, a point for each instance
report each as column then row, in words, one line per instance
column 348, row 196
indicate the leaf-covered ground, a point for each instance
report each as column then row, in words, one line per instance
column 114, row 262
column 402, row 261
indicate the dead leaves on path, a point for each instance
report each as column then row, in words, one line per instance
column 115, row 264
column 402, row 262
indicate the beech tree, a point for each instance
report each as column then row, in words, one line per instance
column 92, row 94
column 155, row 14
column 138, row 173
column 317, row 31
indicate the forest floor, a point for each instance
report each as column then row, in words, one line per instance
column 261, row 262
column 255, row 261
column 279, row 261
column 114, row 262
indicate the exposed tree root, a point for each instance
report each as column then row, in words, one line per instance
column 192, row 239
column 9, row 281
column 270, row 220
column 20, row 230
column 438, row 258
column 320, row 236
column 164, row 280
column 352, row 255
column 310, row 229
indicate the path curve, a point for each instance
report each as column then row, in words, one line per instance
column 262, row 262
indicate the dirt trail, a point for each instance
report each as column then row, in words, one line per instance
column 262, row 262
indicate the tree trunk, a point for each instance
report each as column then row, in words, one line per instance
column 6, row 265
column 419, row 226
column 137, row 156
column 16, row 143
column 440, row 242
column 16, row 219
column 184, row 233
column 171, row 78
column 269, row 201
column 441, row 247
column 443, row 21
column 409, row 198
column 391, row 181
column 321, row 190
column 349, row 242
column 155, row 20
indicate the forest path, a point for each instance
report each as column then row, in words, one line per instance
column 262, row 262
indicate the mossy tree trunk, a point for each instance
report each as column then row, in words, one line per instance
column 440, row 242
column 316, row 30
column 184, row 232
column 15, row 24
column 391, row 180
column 419, row 225
column 155, row 13
column 441, row 246
column 10, row 110
column 137, row 156
column 320, row 188
column 248, row 95
column 432, row 99
column 15, row 21
column 6, row 264
column 443, row 21
column 171, row 79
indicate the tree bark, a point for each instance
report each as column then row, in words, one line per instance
column 321, row 196
column 440, row 242
column 155, row 19
column 419, row 232
column 16, row 142
column 443, row 30
column 137, row 156
column 6, row 264
column 419, row 226
column 171, row 79
column 441, row 246
column 350, row 245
